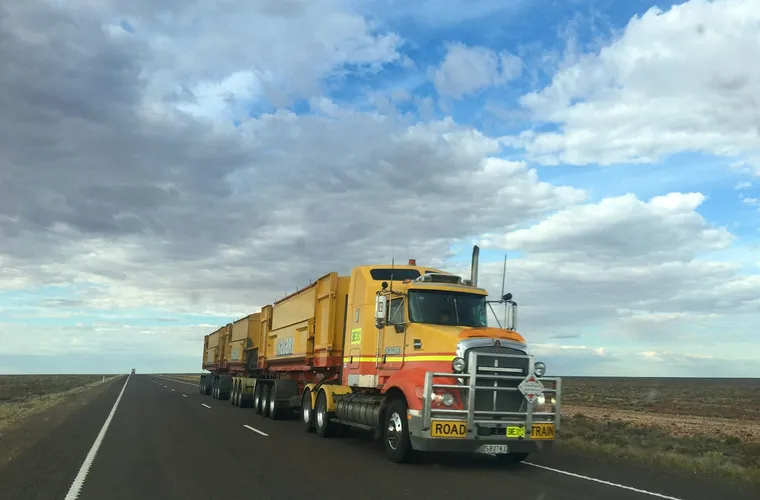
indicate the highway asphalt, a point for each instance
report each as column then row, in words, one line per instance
column 164, row 440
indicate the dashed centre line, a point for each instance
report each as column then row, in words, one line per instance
column 255, row 430
column 207, row 406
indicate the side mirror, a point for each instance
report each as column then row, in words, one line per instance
column 380, row 311
column 400, row 327
column 506, row 297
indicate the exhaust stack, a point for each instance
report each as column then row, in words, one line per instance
column 474, row 266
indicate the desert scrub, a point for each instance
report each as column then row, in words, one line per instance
column 25, row 395
column 713, row 398
column 708, row 454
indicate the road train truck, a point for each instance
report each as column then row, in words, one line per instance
column 403, row 351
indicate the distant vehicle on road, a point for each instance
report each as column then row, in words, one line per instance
column 403, row 351
column 133, row 371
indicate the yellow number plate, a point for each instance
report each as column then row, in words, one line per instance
column 539, row 431
column 542, row 431
column 515, row 432
column 448, row 429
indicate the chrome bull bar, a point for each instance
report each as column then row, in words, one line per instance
column 471, row 383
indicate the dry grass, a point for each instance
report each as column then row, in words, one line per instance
column 24, row 395
column 714, row 398
column 707, row 426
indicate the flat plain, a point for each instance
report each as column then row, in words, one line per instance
column 709, row 426
column 25, row 395
column 33, row 405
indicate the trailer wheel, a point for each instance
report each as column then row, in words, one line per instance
column 398, row 447
column 257, row 408
column 307, row 413
column 325, row 427
column 243, row 401
column 275, row 408
column 266, row 393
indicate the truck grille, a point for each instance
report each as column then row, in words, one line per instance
column 498, row 400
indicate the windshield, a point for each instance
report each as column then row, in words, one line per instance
column 447, row 308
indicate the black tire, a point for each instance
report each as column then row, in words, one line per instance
column 257, row 409
column 243, row 402
column 307, row 412
column 511, row 458
column 266, row 391
column 398, row 447
column 232, row 395
column 324, row 426
column 276, row 410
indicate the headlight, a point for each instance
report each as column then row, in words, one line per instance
column 457, row 364
column 447, row 399
column 541, row 399
column 539, row 369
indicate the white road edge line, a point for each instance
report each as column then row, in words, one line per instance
column 76, row 486
column 207, row 406
column 622, row 486
column 255, row 430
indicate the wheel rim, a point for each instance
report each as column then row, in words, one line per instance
column 320, row 414
column 394, row 430
column 306, row 410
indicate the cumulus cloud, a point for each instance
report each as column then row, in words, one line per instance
column 675, row 80
column 110, row 184
column 623, row 229
column 623, row 267
column 466, row 70
column 131, row 201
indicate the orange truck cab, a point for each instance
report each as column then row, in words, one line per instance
column 449, row 382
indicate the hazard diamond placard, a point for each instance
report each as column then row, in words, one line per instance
column 531, row 388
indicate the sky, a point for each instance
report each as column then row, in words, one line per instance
column 168, row 167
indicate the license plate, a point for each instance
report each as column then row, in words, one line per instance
column 495, row 449
column 542, row 431
column 448, row 429
column 539, row 431
column 514, row 431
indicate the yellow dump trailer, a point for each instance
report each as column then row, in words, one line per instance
column 244, row 344
column 211, row 343
column 307, row 327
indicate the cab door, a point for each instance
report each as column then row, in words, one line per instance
column 392, row 344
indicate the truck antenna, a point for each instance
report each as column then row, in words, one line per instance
column 503, row 280
column 393, row 268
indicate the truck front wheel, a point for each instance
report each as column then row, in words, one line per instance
column 398, row 447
